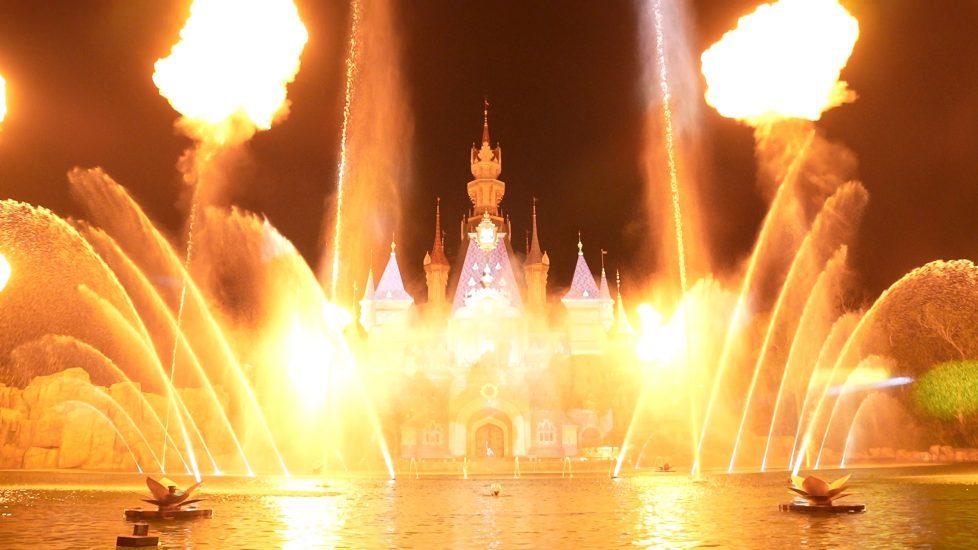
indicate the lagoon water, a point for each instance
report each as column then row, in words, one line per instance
column 934, row 507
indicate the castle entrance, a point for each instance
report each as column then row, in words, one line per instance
column 490, row 441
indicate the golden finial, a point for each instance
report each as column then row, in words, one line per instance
column 580, row 245
column 485, row 121
column 393, row 245
column 618, row 281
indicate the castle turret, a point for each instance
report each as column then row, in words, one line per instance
column 390, row 302
column 436, row 266
column 535, row 268
column 585, row 332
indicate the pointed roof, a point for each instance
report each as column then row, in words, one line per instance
column 534, row 254
column 368, row 291
column 391, row 287
column 622, row 324
column 473, row 268
column 438, row 248
column 583, row 286
column 603, row 291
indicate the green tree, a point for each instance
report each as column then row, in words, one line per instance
column 949, row 391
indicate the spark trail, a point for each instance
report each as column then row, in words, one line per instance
column 666, row 98
column 351, row 71
column 677, row 214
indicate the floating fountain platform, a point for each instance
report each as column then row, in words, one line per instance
column 818, row 496
column 137, row 514
column 806, row 508
column 171, row 503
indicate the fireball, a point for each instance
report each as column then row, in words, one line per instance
column 233, row 63
column 782, row 61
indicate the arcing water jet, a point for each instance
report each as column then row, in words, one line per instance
column 782, row 61
column 227, row 85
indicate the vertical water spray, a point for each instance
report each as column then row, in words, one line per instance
column 662, row 79
column 677, row 216
column 179, row 315
column 351, row 71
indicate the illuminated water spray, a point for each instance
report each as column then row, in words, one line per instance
column 662, row 76
column 782, row 61
column 351, row 71
column 228, row 85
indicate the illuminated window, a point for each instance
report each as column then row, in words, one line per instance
column 433, row 434
column 546, row 433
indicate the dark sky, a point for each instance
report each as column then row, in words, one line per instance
column 563, row 78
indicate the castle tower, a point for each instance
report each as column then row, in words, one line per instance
column 486, row 191
column 535, row 268
column 436, row 266
column 585, row 331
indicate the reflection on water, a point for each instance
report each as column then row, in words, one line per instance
column 310, row 521
column 930, row 507
column 664, row 513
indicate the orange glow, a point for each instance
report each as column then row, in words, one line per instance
column 4, row 272
column 3, row 99
column 232, row 64
column 782, row 61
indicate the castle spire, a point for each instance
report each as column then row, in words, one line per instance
column 603, row 290
column 534, row 255
column 438, row 247
column 485, row 121
column 621, row 327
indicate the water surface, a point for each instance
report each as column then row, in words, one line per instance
column 907, row 507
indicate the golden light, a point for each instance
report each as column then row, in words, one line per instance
column 864, row 376
column 3, row 98
column 232, row 63
column 337, row 317
column 5, row 272
column 309, row 358
column 659, row 343
column 782, row 61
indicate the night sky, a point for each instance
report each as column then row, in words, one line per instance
column 563, row 80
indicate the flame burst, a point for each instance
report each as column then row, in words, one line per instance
column 232, row 65
column 5, row 272
column 782, row 61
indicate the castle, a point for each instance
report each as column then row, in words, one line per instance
column 489, row 365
